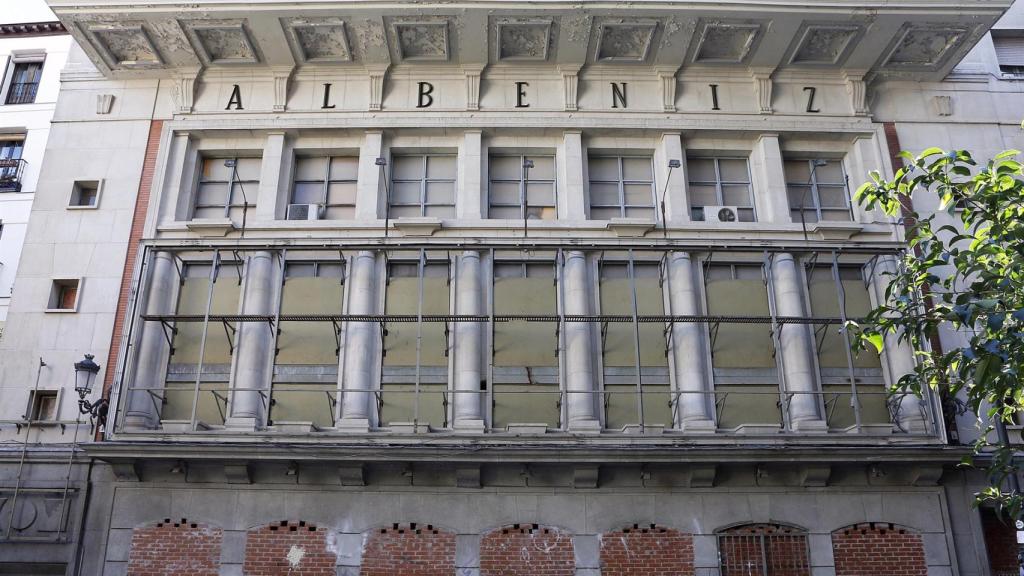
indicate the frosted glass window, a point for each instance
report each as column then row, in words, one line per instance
column 329, row 182
column 715, row 181
column 621, row 187
column 817, row 190
column 423, row 185
column 226, row 186
column 518, row 192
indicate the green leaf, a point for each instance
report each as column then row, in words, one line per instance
column 876, row 339
column 1006, row 154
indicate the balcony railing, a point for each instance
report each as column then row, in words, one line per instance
column 11, row 170
column 22, row 92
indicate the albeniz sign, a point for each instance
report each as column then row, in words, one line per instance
column 604, row 91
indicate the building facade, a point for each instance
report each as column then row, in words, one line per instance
column 489, row 288
column 33, row 49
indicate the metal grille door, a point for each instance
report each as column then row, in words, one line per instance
column 763, row 550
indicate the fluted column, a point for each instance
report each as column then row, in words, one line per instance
column 796, row 347
column 154, row 352
column 579, row 365
column 254, row 345
column 468, row 302
column 897, row 356
column 692, row 413
column 359, row 350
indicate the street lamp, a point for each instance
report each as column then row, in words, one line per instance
column 527, row 164
column 811, row 183
column 673, row 163
column 85, row 374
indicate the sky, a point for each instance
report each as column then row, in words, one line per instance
column 12, row 11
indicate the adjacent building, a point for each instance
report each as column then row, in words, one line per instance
column 489, row 288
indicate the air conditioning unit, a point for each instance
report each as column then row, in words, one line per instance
column 721, row 214
column 303, row 212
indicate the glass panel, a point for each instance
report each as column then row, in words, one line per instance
column 637, row 169
column 505, row 168
column 703, row 195
column 832, row 196
column 646, row 213
column 341, row 193
column 215, row 212
column 249, row 169
column 830, row 173
column 442, row 211
column 543, row 168
column 407, row 167
column 835, row 215
column 405, row 193
column 405, row 211
column 800, row 197
column 605, row 213
column 440, row 193
column 344, row 168
column 746, row 214
column 308, row 193
column 214, row 169
column 441, row 167
column 733, row 170
column 339, row 213
column 603, row 168
column 701, row 169
column 310, row 167
column 638, row 194
column 210, row 194
column 505, row 212
column 540, row 194
column 825, row 304
column 797, row 171
column 505, row 193
column 736, row 195
column 604, row 194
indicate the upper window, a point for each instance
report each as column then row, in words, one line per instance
column 11, row 165
column 1009, row 50
column 24, row 83
column 717, row 183
column 817, row 190
column 423, row 185
column 226, row 187
column 324, row 187
column 621, row 186
column 522, row 187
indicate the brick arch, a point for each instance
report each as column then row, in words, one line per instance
column 289, row 548
column 527, row 550
column 412, row 549
column 175, row 547
column 646, row 550
column 763, row 547
column 856, row 550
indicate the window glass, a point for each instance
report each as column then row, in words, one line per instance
column 423, row 185
column 226, row 186
column 514, row 188
column 329, row 182
column 720, row 181
column 621, row 186
column 817, row 190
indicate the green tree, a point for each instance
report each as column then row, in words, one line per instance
column 968, row 277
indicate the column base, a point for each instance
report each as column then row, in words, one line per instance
column 469, row 426
column 585, row 426
column 700, row 426
column 810, row 426
column 353, row 425
column 247, row 424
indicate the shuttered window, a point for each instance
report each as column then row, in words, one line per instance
column 1009, row 50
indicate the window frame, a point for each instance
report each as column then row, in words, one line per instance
column 76, row 195
column 326, row 182
column 56, row 295
column 812, row 182
column 25, row 59
column 719, row 184
column 522, row 184
column 230, row 182
column 621, row 182
column 423, row 181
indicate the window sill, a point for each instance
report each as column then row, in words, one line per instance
column 425, row 226
column 836, row 230
column 92, row 207
column 61, row 310
column 630, row 227
column 210, row 226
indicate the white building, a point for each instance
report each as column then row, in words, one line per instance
column 33, row 49
column 488, row 288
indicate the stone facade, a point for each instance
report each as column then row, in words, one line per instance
column 552, row 290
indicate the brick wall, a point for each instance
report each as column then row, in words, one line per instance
column 527, row 550
column 1000, row 543
column 288, row 549
column 878, row 548
column 647, row 550
column 761, row 549
column 409, row 550
column 175, row 548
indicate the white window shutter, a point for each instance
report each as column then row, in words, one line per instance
column 1009, row 49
